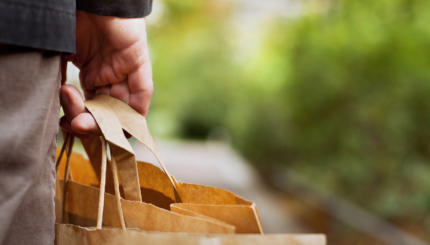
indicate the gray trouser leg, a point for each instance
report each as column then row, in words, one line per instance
column 29, row 112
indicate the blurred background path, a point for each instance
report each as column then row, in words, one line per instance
column 216, row 164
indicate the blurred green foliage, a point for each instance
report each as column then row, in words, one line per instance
column 340, row 96
column 193, row 72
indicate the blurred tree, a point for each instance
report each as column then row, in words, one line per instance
column 192, row 67
column 353, row 108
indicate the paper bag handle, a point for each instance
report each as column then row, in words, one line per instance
column 102, row 189
column 113, row 115
column 67, row 146
column 120, row 148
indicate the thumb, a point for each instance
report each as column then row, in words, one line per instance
column 79, row 120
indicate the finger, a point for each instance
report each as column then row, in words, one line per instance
column 84, row 123
column 88, row 93
column 72, row 101
column 120, row 91
column 108, row 75
column 101, row 72
column 80, row 120
column 115, row 68
column 89, row 72
column 103, row 90
column 141, row 88
column 65, row 125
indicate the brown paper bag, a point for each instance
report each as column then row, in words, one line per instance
column 215, row 202
column 79, row 205
column 75, row 235
column 198, row 200
column 191, row 205
column 68, row 234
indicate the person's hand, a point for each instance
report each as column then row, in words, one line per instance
column 113, row 59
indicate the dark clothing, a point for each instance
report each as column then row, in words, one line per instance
column 47, row 24
column 121, row 8
column 29, row 109
column 50, row 24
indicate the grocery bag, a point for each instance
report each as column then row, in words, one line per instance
column 200, row 213
column 77, row 193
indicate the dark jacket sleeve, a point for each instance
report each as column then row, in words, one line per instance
column 119, row 8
